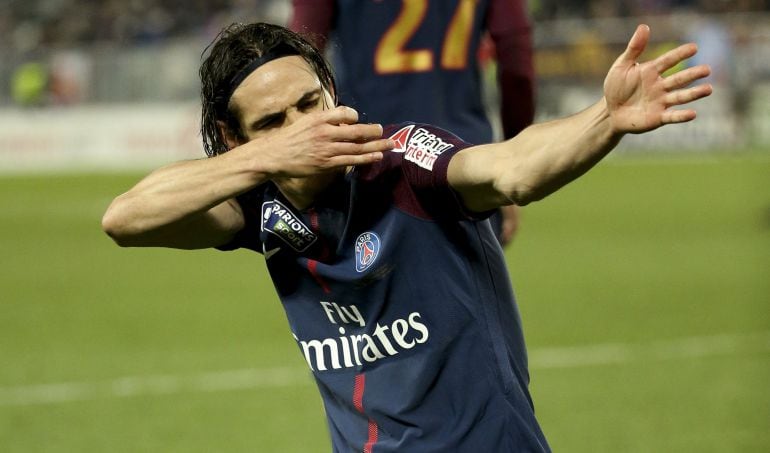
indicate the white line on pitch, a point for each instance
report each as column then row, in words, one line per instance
column 682, row 348
column 540, row 358
column 129, row 386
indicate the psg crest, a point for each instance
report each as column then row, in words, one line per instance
column 367, row 249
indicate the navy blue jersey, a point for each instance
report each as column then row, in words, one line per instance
column 400, row 302
column 417, row 60
column 410, row 64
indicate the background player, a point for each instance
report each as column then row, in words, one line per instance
column 424, row 55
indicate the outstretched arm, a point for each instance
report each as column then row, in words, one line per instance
column 545, row 157
column 191, row 204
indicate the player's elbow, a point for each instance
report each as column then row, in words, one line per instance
column 116, row 223
column 114, row 229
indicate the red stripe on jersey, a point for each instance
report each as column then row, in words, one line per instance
column 313, row 219
column 372, row 437
column 312, row 266
column 315, row 226
column 358, row 392
column 358, row 402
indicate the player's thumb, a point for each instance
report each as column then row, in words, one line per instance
column 636, row 44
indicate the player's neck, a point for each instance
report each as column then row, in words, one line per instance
column 302, row 192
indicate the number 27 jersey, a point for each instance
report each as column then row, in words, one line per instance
column 413, row 61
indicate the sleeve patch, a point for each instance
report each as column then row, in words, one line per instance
column 419, row 146
column 282, row 222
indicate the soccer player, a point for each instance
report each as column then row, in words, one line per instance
column 396, row 293
column 424, row 54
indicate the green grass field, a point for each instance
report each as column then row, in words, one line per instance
column 644, row 288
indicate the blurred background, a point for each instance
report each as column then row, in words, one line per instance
column 74, row 65
column 644, row 287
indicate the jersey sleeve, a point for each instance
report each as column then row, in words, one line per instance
column 249, row 236
column 313, row 19
column 422, row 155
column 510, row 29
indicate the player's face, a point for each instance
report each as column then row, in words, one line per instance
column 276, row 94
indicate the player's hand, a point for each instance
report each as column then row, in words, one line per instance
column 510, row 223
column 319, row 142
column 639, row 98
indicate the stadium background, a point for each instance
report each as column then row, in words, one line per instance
column 644, row 286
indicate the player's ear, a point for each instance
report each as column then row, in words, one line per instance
column 231, row 139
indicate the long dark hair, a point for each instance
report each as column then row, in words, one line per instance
column 234, row 48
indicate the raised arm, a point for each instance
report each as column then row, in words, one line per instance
column 313, row 19
column 545, row 157
column 191, row 204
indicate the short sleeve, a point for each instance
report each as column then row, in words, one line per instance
column 249, row 236
column 423, row 153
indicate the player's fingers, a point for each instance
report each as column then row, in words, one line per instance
column 374, row 146
column 360, row 159
column 636, row 44
column 510, row 223
column 673, row 57
column 356, row 132
column 380, row 145
column 340, row 115
column 684, row 96
column 677, row 116
column 683, row 78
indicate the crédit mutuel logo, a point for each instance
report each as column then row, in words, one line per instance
column 419, row 146
column 279, row 220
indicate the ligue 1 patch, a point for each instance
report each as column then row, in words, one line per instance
column 367, row 249
column 282, row 222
